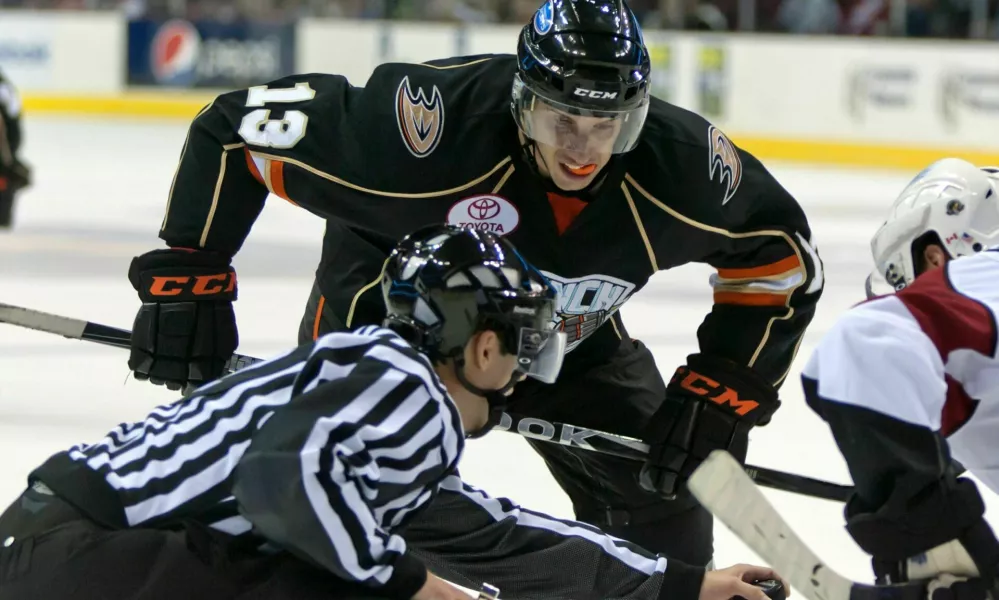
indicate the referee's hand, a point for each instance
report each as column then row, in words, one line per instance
column 738, row 581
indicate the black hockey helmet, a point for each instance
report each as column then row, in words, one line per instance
column 444, row 283
column 585, row 58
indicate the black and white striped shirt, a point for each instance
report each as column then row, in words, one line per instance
column 325, row 450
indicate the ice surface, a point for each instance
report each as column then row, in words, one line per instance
column 100, row 191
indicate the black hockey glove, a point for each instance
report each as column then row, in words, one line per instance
column 921, row 534
column 186, row 329
column 711, row 404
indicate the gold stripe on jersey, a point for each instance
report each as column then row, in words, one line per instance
column 794, row 353
column 354, row 186
column 367, row 286
column 458, row 66
column 218, row 190
column 762, row 232
column 176, row 171
column 641, row 229
column 613, row 323
column 499, row 185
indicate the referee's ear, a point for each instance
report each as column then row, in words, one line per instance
column 487, row 365
column 484, row 348
column 486, row 356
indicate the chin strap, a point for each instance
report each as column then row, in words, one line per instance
column 497, row 399
column 530, row 156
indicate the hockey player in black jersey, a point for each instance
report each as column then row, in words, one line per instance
column 14, row 173
column 561, row 149
column 297, row 478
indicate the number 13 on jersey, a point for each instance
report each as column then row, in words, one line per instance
column 259, row 129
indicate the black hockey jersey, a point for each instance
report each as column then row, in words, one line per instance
column 436, row 142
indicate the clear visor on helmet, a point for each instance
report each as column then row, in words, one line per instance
column 540, row 353
column 586, row 132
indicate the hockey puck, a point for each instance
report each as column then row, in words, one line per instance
column 773, row 588
column 488, row 592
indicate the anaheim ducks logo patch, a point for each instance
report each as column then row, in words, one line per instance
column 724, row 160
column 421, row 120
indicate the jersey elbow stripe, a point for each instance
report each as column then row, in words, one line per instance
column 727, row 296
column 784, row 284
column 766, row 285
column 255, row 166
column 751, row 299
column 270, row 173
column 274, row 179
column 775, row 270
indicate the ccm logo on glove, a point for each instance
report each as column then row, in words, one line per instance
column 199, row 285
column 718, row 393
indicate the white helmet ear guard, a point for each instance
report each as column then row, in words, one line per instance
column 952, row 198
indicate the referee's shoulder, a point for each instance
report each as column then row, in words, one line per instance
column 372, row 334
column 371, row 341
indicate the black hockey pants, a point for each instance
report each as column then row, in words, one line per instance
column 49, row 551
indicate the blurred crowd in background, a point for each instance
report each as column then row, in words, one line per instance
column 976, row 19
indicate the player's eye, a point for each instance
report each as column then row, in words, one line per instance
column 565, row 125
column 603, row 130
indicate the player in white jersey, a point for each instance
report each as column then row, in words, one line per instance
column 909, row 382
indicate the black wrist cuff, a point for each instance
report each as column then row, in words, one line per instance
column 681, row 581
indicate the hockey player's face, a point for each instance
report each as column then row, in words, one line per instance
column 582, row 146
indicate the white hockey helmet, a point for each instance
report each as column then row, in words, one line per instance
column 952, row 198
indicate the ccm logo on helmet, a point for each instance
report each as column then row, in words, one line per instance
column 596, row 94
column 712, row 390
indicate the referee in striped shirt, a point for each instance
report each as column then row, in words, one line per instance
column 294, row 478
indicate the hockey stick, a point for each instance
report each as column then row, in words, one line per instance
column 631, row 448
column 722, row 487
column 539, row 429
column 78, row 329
